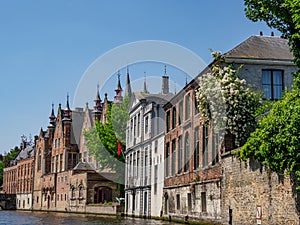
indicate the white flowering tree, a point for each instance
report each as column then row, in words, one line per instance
column 226, row 102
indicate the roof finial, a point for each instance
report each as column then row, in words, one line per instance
column 68, row 107
column 165, row 70
column 186, row 80
column 145, row 83
column 119, row 82
column 98, row 94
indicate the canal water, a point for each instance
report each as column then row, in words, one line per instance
column 49, row 218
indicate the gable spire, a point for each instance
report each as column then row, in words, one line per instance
column 128, row 85
column 98, row 94
column 119, row 83
column 145, row 84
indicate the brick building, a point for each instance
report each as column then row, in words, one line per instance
column 194, row 187
column 192, row 168
column 57, row 173
column 63, row 167
column 18, row 178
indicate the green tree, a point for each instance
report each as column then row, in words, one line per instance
column 276, row 141
column 2, row 165
column 6, row 161
column 102, row 140
column 119, row 118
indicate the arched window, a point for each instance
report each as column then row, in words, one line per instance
column 205, row 146
column 186, row 152
column 39, row 160
column 80, row 192
column 197, row 147
column 73, row 194
column 179, row 161
column 187, row 106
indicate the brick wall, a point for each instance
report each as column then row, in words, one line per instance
column 248, row 185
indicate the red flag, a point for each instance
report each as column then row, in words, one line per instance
column 119, row 148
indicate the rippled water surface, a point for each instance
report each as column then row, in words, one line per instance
column 21, row 217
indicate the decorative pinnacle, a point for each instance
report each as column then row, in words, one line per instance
column 68, row 107
column 119, row 82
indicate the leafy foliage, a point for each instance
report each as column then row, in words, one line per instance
column 6, row 161
column 119, row 118
column 276, row 140
column 102, row 140
column 2, row 165
column 226, row 102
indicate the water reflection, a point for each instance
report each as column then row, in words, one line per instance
column 47, row 218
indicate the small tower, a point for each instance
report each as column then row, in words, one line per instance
column 52, row 123
column 97, row 107
column 52, row 118
column 67, row 121
column 67, row 111
column 119, row 90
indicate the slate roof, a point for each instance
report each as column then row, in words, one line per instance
column 28, row 152
column 84, row 166
column 77, row 122
column 157, row 98
column 262, row 47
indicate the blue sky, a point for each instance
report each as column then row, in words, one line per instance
column 46, row 47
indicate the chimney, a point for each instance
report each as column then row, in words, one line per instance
column 272, row 34
column 165, row 85
column 261, row 33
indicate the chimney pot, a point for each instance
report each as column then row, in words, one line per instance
column 261, row 33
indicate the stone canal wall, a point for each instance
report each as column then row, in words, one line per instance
column 249, row 191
